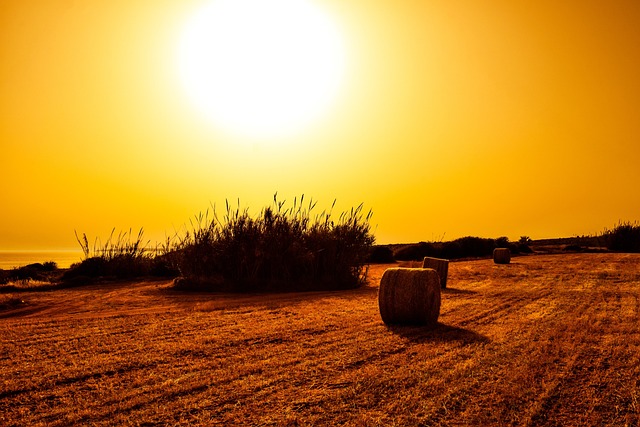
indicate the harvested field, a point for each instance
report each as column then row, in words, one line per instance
column 544, row 341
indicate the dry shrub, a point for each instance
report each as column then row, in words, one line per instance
column 123, row 256
column 441, row 266
column 380, row 254
column 281, row 249
column 625, row 237
column 501, row 256
column 463, row 247
column 409, row 296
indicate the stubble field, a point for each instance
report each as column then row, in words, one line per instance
column 548, row 340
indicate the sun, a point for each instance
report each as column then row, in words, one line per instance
column 261, row 68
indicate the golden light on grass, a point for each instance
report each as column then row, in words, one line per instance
column 409, row 296
column 259, row 68
column 512, row 347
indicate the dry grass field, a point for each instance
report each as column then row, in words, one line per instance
column 548, row 340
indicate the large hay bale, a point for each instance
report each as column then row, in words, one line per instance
column 501, row 256
column 441, row 266
column 409, row 296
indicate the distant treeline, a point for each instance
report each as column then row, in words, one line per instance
column 624, row 237
column 464, row 247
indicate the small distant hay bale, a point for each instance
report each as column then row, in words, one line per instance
column 409, row 296
column 501, row 256
column 439, row 265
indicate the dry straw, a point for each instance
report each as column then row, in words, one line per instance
column 501, row 256
column 439, row 265
column 409, row 296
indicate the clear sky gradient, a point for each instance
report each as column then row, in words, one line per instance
column 485, row 118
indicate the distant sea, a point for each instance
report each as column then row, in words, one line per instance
column 64, row 258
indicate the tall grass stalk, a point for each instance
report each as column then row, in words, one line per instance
column 122, row 255
column 282, row 248
column 624, row 237
column 122, row 244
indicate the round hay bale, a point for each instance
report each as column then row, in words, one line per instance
column 501, row 256
column 409, row 296
column 441, row 266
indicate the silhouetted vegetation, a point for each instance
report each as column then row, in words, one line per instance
column 624, row 237
column 283, row 248
column 32, row 272
column 380, row 254
column 522, row 248
column 121, row 257
column 464, row 247
column 280, row 249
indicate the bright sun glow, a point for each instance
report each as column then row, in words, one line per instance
column 261, row 68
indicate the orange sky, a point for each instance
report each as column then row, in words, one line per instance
column 483, row 118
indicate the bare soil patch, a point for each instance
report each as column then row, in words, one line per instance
column 547, row 340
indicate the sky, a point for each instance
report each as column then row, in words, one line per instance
column 471, row 118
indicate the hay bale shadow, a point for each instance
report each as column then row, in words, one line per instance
column 438, row 333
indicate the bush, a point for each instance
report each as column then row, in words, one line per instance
column 451, row 250
column 464, row 247
column 163, row 266
column 37, row 271
column 476, row 246
column 625, row 237
column 416, row 252
column 122, row 257
column 502, row 242
column 523, row 248
column 380, row 255
column 50, row 266
column 280, row 249
column 115, row 267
